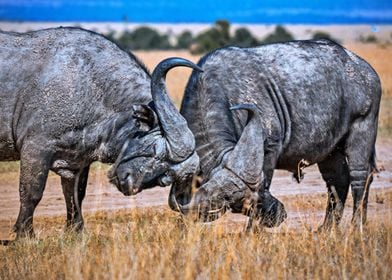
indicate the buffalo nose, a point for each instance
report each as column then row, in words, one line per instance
column 130, row 186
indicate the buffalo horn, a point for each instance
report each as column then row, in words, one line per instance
column 181, row 142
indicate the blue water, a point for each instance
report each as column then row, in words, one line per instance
column 201, row 11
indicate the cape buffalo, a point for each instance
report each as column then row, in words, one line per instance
column 317, row 103
column 70, row 97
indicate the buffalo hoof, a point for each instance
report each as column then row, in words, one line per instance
column 270, row 211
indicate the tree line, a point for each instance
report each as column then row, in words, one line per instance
column 219, row 35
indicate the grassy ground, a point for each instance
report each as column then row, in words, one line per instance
column 155, row 244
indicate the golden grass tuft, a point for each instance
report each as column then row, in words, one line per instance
column 155, row 244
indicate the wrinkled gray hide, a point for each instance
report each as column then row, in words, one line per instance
column 318, row 104
column 70, row 97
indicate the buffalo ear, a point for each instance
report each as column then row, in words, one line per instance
column 145, row 117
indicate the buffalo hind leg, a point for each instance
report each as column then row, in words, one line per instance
column 74, row 191
column 34, row 168
column 360, row 153
column 335, row 172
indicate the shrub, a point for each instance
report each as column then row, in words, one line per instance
column 144, row 38
column 244, row 38
column 280, row 35
column 321, row 35
column 368, row 39
column 184, row 40
column 216, row 37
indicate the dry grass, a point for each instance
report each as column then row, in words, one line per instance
column 155, row 244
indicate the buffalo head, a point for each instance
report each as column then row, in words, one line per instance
column 236, row 183
column 162, row 152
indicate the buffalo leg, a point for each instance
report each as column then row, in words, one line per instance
column 269, row 211
column 34, row 168
column 270, row 159
column 334, row 170
column 360, row 152
column 74, row 197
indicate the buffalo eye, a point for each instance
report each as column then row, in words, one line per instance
column 146, row 118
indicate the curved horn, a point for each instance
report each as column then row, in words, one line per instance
column 246, row 159
column 181, row 142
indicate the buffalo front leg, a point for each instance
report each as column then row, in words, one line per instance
column 34, row 168
column 334, row 170
column 269, row 211
column 74, row 190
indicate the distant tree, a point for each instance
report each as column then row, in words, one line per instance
column 144, row 38
column 244, row 38
column 368, row 39
column 321, row 35
column 216, row 37
column 111, row 35
column 125, row 40
column 279, row 35
column 184, row 40
column 207, row 41
column 224, row 27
